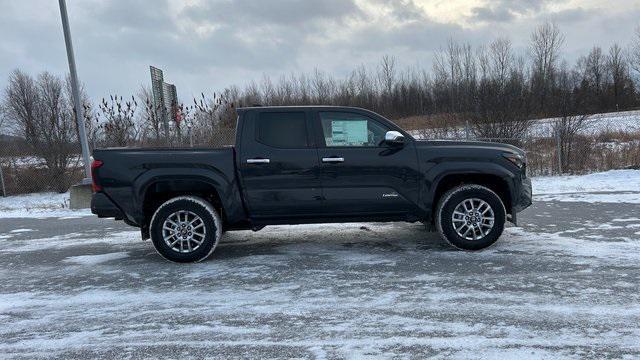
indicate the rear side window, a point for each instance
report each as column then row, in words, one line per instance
column 286, row 130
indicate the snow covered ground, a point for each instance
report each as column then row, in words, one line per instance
column 566, row 284
column 623, row 121
column 559, row 287
column 616, row 186
column 40, row 205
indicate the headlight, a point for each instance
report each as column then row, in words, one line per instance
column 517, row 159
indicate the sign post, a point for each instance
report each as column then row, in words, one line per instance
column 159, row 101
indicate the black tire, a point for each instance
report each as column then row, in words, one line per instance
column 197, row 206
column 448, row 203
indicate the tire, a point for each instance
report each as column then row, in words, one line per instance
column 468, row 197
column 193, row 242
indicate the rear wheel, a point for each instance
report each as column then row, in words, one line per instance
column 185, row 229
column 470, row 217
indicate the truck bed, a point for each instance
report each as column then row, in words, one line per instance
column 126, row 174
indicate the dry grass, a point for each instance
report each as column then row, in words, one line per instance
column 588, row 154
column 437, row 122
column 603, row 151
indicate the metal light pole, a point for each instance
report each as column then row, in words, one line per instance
column 75, row 90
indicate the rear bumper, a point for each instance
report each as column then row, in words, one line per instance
column 524, row 196
column 102, row 206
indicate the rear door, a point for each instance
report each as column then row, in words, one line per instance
column 279, row 165
column 361, row 175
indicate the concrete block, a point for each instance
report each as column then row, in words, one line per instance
column 80, row 196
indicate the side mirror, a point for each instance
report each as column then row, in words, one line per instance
column 394, row 138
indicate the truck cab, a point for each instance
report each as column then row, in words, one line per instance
column 326, row 165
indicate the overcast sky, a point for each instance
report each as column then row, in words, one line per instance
column 206, row 45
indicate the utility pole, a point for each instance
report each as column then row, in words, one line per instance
column 75, row 90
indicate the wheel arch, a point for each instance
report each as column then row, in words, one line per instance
column 159, row 190
column 496, row 183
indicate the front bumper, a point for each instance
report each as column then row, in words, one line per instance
column 524, row 197
column 102, row 206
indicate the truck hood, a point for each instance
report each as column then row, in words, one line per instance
column 470, row 146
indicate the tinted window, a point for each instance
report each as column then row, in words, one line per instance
column 282, row 130
column 349, row 129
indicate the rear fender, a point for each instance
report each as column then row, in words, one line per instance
column 226, row 188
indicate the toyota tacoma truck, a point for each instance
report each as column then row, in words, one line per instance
column 311, row 164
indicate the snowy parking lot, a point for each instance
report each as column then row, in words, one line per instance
column 564, row 284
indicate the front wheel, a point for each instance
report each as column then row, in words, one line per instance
column 185, row 229
column 470, row 217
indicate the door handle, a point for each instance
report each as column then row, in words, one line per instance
column 332, row 160
column 257, row 161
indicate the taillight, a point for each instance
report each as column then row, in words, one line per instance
column 94, row 179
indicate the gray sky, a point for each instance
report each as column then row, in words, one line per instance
column 206, row 45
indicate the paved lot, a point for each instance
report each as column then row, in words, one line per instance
column 565, row 284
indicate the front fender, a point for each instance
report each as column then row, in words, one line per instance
column 437, row 173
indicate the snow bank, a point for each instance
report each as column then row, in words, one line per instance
column 38, row 205
column 623, row 121
column 613, row 180
column 618, row 186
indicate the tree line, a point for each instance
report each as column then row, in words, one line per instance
column 487, row 85
column 491, row 87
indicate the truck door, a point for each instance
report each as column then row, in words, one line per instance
column 279, row 165
column 361, row 175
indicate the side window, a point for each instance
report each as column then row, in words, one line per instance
column 287, row 130
column 349, row 129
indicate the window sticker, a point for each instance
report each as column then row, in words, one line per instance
column 348, row 133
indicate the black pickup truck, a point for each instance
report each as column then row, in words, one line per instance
column 311, row 164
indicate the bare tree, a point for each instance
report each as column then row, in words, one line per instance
column 43, row 115
column 387, row 73
column 3, row 116
column 324, row 87
column 546, row 43
column 501, row 110
column 592, row 72
column 501, row 60
column 454, row 64
column 634, row 53
column 567, row 129
column 151, row 119
column 618, row 72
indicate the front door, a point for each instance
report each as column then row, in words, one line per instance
column 279, row 165
column 362, row 175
